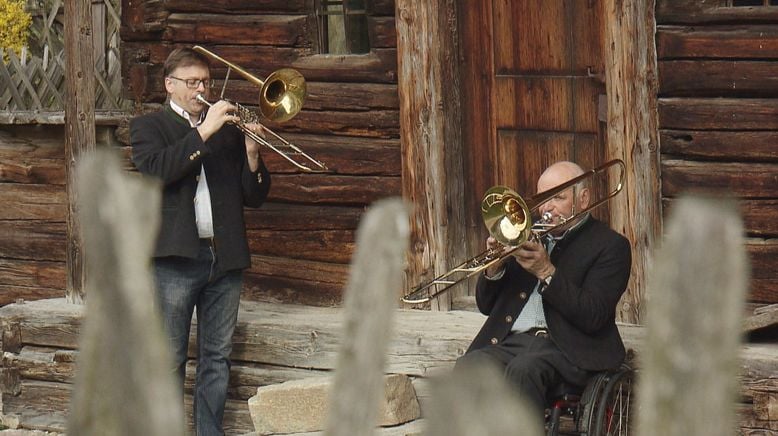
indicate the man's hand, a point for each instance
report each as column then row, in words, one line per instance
column 492, row 244
column 252, row 146
column 532, row 256
column 221, row 112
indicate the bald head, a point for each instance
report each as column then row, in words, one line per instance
column 565, row 203
column 558, row 173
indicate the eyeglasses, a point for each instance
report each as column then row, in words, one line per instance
column 195, row 83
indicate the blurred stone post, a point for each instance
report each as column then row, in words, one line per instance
column 124, row 383
column 688, row 380
column 478, row 401
column 371, row 298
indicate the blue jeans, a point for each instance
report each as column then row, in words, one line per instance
column 184, row 284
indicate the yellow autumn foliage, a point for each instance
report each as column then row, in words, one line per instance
column 14, row 24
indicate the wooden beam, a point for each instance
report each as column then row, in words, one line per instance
column 630, row 75
column 431, row 135
column 79, row 128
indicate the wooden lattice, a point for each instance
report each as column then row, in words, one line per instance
column 34, row 79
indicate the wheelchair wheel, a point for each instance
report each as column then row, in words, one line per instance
column 610, row 413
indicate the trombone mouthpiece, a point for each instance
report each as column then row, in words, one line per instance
column 202, row 99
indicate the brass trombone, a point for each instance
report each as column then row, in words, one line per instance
column 508, row 217
column 281, row 97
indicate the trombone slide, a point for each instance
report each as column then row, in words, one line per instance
column 319, row 167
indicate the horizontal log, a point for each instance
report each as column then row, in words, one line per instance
column 751, row 425
column 33, row 171
column 744, row 180
column 274, row 289
column 718, row 114
column 325, row 272
column 294, row 281
column 322, row 96
column 378, row 66
column 760, row 217
column 294, row 217
column 33, row 240
column 40, row 406
column 44, row 406
column 24, row 143
column 42, row 364
column 35, row 274
column 764, row 258
column 238, row 6
column 721, row 78
column 334, row 246
column 715, row 11
column 764, row 291
column 335, row 190
column 33, row 202
column 733, row 42
column 143, row 19
column 307, row 337
column 55, row 365
column 372, row 124
column 720, row 145
column 275, row 30
column 15, row 293
column 344, row 155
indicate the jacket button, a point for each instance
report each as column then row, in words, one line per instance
column 523, row 295
column 197, row 178
column 191, row 157
column 508, row 318
column 198, row 152
column 494, row 341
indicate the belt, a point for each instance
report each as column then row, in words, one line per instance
column 539, row 332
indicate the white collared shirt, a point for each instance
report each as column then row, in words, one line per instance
column 202, row 199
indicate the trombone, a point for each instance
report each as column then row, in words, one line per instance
column 281, row 97
column 508, row 217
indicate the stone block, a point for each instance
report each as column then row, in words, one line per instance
column 300, row 406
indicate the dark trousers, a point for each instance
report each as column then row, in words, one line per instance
column 533, row 364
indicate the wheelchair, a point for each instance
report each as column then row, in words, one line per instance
column 602, row 408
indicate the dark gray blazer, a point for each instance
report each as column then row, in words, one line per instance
column 592, row 269
column 166, row 147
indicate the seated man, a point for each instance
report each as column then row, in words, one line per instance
column 551, row 309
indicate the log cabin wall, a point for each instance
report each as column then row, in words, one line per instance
column 302, row 239
column 32, row 219
column 718, row 116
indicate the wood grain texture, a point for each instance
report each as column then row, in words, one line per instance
column 632, row 136
column 430, row 130
column 79, row 127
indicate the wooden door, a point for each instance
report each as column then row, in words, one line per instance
column 534, row 80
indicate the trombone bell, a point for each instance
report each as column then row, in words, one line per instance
column 282, row 95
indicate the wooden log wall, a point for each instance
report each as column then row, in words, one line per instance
column 718, row 116
column 275, row 343
column 302, row 239
column 33, row 216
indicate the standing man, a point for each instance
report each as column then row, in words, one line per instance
column 209, row 171
column 552, row 305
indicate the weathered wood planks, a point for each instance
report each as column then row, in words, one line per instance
column 275, row 343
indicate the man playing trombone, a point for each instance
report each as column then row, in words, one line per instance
column 551, row 305
column 209, row 172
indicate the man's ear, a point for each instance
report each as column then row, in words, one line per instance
column 168, row 85
column 585, row 198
